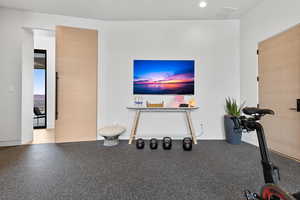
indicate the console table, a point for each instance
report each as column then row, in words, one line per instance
column 186, row 110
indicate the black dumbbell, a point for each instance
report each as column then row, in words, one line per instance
column 153, row 143
column 140, row 143
column 187, row 144
column 167, row 143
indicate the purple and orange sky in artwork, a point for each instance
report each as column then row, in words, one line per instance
column 164, row 77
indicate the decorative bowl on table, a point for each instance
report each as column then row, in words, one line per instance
column 155, row 105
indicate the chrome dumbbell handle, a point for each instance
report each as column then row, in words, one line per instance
column 250, row 195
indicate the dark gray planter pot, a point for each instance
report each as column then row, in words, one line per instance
column 233, row 136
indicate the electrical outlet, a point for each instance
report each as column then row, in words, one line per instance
column 201, row 131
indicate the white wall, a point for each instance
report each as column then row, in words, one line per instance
column 12, row 23
column 213, row 44
column 267, row 19
column 10, row 77
column 27, row 86
column 44, row 39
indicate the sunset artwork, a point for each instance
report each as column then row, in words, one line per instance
column 164, row 77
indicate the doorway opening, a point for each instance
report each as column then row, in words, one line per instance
column 40, row 89
column 40, row 121
column 44, row 87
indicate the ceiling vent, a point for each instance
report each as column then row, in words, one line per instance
column 227, row 12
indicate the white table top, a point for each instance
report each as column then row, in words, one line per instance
column 162, row 108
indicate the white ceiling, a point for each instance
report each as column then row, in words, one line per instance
column 136, row 9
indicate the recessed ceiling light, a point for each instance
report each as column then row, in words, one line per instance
column 202, row 4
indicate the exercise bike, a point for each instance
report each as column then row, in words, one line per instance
column 271, row 190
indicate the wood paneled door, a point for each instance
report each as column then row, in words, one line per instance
column 279, row 89
column 76, row 66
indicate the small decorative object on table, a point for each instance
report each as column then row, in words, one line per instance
column 177, row 100
column 155, row 105
column 138, row 101
column 183, row 105
column 192, row 102
column 111, row 134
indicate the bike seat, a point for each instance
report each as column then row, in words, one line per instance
column 257, row 111
column 297, row 196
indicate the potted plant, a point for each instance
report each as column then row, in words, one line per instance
column 232, row 109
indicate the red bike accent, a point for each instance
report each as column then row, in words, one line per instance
column 273, row 192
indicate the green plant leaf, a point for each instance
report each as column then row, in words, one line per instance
column 232, row 108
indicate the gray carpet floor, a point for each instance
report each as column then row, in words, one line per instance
column 214, row 170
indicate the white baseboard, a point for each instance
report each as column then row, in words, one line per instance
column 174, row 138
column 10, row 143
column 250, row 139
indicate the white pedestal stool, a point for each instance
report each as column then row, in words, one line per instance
column 111, row 134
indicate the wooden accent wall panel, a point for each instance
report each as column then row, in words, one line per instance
column 76, row 64
column 279, row 87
